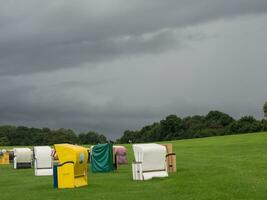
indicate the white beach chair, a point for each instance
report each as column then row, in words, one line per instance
column 43, row 163
column 150, row 161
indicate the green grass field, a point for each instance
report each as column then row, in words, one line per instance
column 215, row 168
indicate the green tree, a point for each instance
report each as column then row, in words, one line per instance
column 217, row 119
column 265, row 109
column 264, row 125
column 62, row 136
column 193, row 125
column 171, row 128
column 128, row 136
column 92, row 138
column 246, row 124
column 4, row 141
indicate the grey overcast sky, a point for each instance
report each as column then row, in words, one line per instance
column 111, row 65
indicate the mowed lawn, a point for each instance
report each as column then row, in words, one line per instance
column 215, row 168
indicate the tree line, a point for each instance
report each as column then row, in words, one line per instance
column 25, row 136
column 215, row 123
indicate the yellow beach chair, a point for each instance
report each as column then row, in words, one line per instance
column 4, row 157
column 71, row 171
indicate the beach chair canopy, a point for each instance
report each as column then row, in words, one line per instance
column 152, row 156
column 23, row 155
column 121, row 154
column 42, row 156
column 149, row 161
column 4, row 156
column 71, row 170
column 102, row 158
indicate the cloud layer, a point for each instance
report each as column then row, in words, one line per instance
column 113, row 65
column 40, row 36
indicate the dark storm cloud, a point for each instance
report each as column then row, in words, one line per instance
column 41, row 36
column 28, row 59
column 24, row 105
